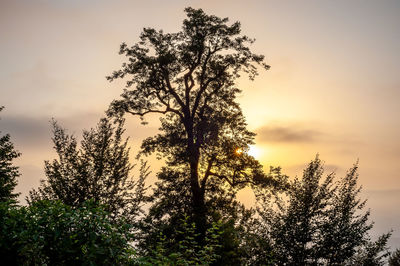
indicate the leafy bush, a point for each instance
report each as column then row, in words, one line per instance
column 52, row 233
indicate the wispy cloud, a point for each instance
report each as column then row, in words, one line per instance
column 287, row 133
column 35, row 132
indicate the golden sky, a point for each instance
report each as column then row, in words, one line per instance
column 333, row 88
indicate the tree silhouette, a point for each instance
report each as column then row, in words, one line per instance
column 321, row 222
column 189, row 78
column 8, row 172
column 98, row 171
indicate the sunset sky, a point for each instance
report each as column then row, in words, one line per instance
column 333, row 87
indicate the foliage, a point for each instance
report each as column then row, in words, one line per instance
column 321, row 222
column 170, row 202
column 189, row 78
column 394, row 259
column 52, row 233
column 183, row 249
column 99, row 170
column 8, row 172
column 373, row 252
column 346, row 226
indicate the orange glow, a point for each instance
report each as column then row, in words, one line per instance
column 238, row 151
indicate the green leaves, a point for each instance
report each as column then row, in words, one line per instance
column 49, row 232
column 184, row 248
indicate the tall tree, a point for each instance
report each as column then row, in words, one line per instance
column 99, row 170
column 321, row 221
column 8, row 172
column 189, row 77
column 346, row 227
column 295, row 228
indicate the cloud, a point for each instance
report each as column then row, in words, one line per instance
column 288, row 133
column 26, row 131
column 36, row 131
column 297, row 169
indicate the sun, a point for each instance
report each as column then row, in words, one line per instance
column 254, row 151
column 239, row 151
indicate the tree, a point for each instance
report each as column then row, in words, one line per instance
column 169, row 204
column 189, row 79
column 372, row 253
column 346, row 227
column 321, row 222
column 8, row 172
column 295, row 227
column 99, row 170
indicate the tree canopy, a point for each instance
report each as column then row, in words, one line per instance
column 98, row 170
column 189, row 78
column 321, row 221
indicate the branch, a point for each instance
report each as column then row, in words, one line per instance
column 207, row 173
column 167, row 104
column 204, row 87
column 149, row 111
column 171, row 90
column 231, row 183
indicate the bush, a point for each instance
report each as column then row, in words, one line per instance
column 52, row 233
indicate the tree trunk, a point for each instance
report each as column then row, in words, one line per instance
column 198, row 201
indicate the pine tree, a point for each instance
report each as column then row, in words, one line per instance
column 8, row 172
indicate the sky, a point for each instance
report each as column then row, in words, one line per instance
column 333, row 88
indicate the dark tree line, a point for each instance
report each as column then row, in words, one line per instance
column 90, row 209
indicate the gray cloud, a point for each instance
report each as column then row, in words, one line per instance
column 35, row 132
column 26, row 131
column 287, row 133
column 297, row 169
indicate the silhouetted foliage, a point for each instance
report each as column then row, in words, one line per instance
column 394, row 259
column 189, row 78
column 372, row 252
column 99, row 170
column 170, row 203
column 321, row 222
column 184, row 249
column 8, row 172
column 346, row 227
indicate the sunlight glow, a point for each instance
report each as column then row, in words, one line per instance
column 254, row 151
column 238, row 151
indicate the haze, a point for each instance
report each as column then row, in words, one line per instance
column 333, row 88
